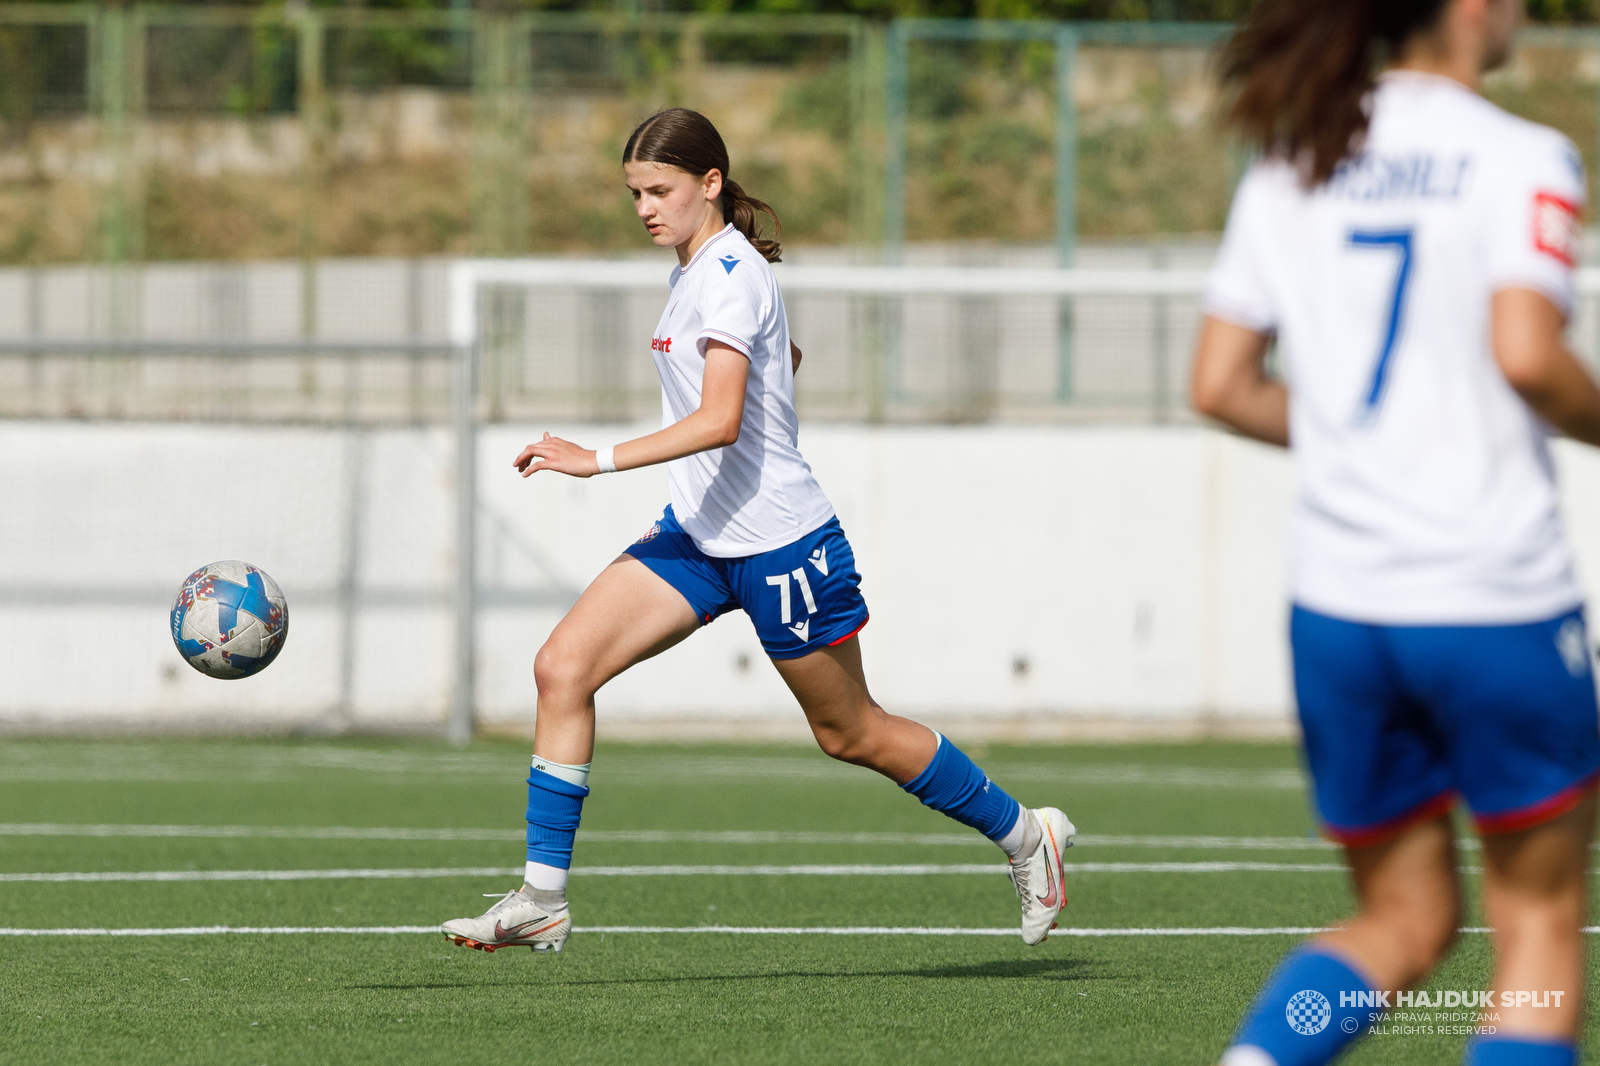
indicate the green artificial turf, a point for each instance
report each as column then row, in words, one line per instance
column 635, row 997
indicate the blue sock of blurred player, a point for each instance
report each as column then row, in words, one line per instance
column 1514, row 1051
column 1300, row 1018
column 555, row 802
column 953, row 785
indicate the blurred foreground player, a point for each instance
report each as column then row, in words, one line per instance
column 1412, row 249
column 748, row 529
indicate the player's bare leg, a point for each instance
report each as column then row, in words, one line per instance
column 1536, row 895
column 625, row 616
column 850, row 726
column 1410, row 906
column 848, row 723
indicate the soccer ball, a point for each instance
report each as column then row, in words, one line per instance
column 229, row 620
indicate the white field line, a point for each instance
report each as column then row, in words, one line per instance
column 646, row 836
column 761, row 930
column 809, row 870
column 1207, row 843
column 133, row 761
column 253, row 832
column 755, row 930
column 664, row 836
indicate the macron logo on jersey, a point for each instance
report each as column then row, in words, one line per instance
column 657, row 344
column 1555, row 227
column 728, row 263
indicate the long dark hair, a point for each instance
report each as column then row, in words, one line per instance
column 1296, row 74
column 687, row 140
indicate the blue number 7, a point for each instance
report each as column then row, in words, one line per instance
column 1400, row 239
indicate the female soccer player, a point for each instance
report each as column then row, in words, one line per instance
column 1411, row 248
column 748, row 529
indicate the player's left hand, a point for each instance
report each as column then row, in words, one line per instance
column 562, row 456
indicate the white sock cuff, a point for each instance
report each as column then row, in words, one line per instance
column 545, row 878
column 1011, row 843
column 572, row 775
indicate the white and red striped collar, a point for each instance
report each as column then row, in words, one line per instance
column 696, row 257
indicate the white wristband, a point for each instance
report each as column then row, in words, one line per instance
column 607, row 459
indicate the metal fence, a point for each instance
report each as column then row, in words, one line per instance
column 134, row 133
column 568, row 340
column 219, row 342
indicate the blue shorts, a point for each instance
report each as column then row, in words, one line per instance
column 1399, row 720
column 801, row 597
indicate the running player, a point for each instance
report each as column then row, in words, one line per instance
column 1411, row 247
column 748, row 529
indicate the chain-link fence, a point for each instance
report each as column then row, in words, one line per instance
column 136, row 133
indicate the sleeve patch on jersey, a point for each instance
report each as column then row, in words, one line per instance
column 1555, row 227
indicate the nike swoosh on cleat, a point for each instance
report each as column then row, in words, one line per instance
column 1052, row 872
column 501, row 933
column 527, row 938
column 1053, row 888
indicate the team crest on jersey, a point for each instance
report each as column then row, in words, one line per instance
column 650, row 534
column 1555, row 227
column 728, row 263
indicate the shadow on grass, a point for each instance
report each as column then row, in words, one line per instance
column 1037, row 969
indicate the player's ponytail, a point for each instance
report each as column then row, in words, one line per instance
column 687, row 140
column 1297, row 74
column 745, row 212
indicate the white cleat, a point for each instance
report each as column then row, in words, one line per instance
column 519, row 919
column 1038, row 876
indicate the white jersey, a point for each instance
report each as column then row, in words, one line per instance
column 758, row 493
column 1425, row 491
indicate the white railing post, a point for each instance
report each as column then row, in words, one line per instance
column 464, row 424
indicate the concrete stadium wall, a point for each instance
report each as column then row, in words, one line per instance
column 1017, row 577
column 1023, row 581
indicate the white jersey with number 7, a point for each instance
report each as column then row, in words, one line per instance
column 1425, row 493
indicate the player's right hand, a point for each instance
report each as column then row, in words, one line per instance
column 562, row 456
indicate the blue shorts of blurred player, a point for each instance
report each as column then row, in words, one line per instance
column 801, row 597
column 1401, row 720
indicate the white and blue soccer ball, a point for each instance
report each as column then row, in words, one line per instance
column 229, row 620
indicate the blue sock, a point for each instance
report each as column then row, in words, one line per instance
column 553, row 809
column 1306, row 1014
column 952, row 784
column 1511, row 1051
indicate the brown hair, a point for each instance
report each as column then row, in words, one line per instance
column 687, row 140
column 1297, row 73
